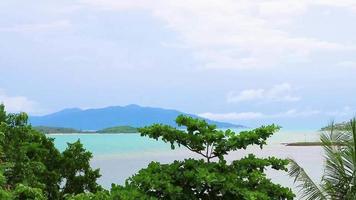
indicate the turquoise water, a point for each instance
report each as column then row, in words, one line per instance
column 110, row 144
column 114, row 144
column 119, row 156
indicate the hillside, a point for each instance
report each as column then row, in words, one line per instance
column 131, row 115
column 51, row 130
column 116, row 129
column 119, row 129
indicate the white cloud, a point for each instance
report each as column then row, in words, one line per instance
column 234, row 116
column 278, row 93
column 346, row 111
column 38, row 27
column 297, row 113
column 349, row 4
column 236, row 33
column 17, row 103
column 347, row 64
column 292, row 113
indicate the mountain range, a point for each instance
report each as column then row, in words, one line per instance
column 99, row 118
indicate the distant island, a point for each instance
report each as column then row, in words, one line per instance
column 56, row 130
column 342, row 126
column 304, row 144
column 130, row 115
column 51, row 130
column 119, row 129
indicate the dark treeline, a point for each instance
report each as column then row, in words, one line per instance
column 115, row 129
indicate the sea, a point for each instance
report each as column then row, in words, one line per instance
column 120, row 156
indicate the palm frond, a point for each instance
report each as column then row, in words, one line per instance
column 339, row 178
column 308, row 189
column 338, row 163
column 352, row 147
column 340, row 155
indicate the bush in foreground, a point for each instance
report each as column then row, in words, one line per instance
column 32, row 168
column 211, row 177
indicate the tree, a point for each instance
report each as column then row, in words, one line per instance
column 204, row 178
column 4, row 193
column 117, row 192
column 102, row 195
column 23, row 192
column 19, row 191
column 339, row 178
column 32, row 168
column 79, row 177
column 31, row 158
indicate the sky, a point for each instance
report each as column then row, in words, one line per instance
column 251, row 62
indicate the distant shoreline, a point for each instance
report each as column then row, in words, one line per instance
column 302, row 144
column 63, row 130
column 306, row 144
column 88, row 133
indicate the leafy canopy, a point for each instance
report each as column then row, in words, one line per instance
column 205, row 139
column 79, row 176
column 205, row 179
column 32, row 168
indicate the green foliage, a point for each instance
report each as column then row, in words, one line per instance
column 116, row 193
column 128, row 193
column 339, row 178
column 4, row 194
column 196, row 179
column 102, row 195
column 204, row 179
column 204, row 139
column 23, row 192
column 31, row 158
column 79, row 176
column 32, row 168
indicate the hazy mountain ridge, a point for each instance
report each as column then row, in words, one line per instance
column 100, row 118
column 55, row 130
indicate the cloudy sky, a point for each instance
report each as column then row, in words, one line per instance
column 251, row 62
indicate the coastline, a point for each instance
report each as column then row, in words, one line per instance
column 302, row 144
column 89, row 133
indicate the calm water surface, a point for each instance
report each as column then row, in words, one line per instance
column 121, row 155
